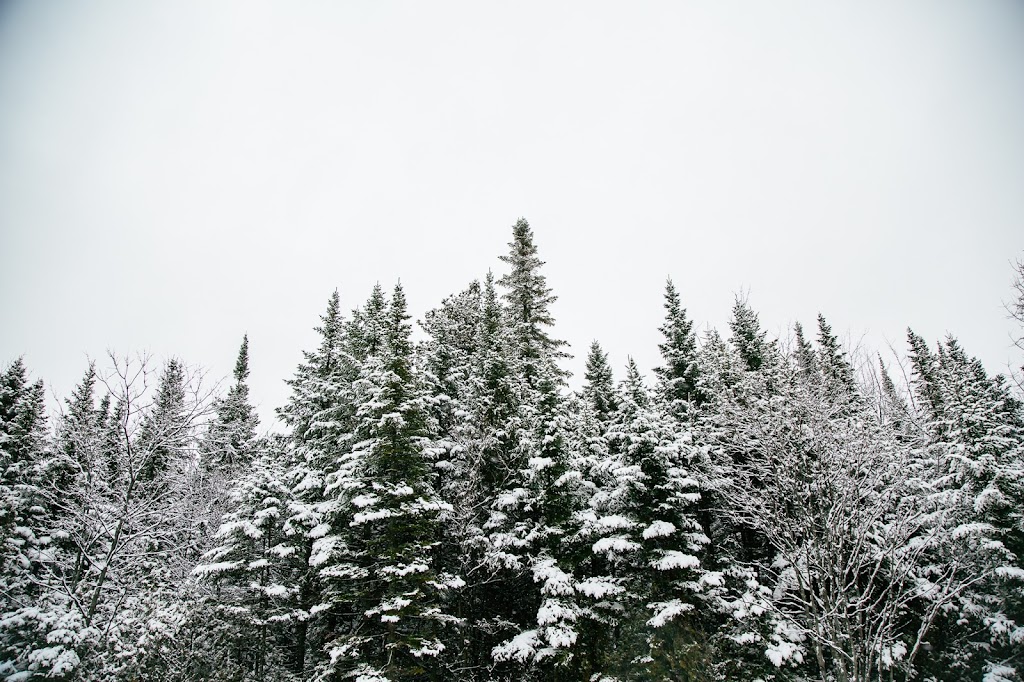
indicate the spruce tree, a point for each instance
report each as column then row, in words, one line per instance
column 647, row 533
column 599, row 384
column 255, row 569
column 166, row 429
column 234, row 429
column 806, row 357
column 394, row 517
column 832, row 362
column 749, row 340
column 925, row 381
column 529, row 299
column 678, row 375
column 319, row 413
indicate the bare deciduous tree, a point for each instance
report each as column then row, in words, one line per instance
column 862, row 563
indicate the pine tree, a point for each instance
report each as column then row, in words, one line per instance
column 165, row 432
column 539, row 524
column 979, row 440
column 599, row 384
column 234, row 428
column 255, row 569
column 394, row 517
column 646, row 531
column 28, row 614
column 749, row 340
column 491, row 438
column 22, row 415
column 832, row 362
column 529, row 299
column 806, row 358
column 893, row 408
column 925, row 380
column 320, row 413
column 678, row 375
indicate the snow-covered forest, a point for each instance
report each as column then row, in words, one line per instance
column 449, row 509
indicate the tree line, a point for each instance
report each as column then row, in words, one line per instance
column 767, row 509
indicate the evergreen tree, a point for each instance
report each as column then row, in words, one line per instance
column 925, row 380
column 977, row 447
column 255, row 569
column 395, row 519
column 321, row 413
column 166, row 430
column 599, row 384
column 678, row 375
column 529, row 299
column 893, row 408
column 806, row 357
column 749, row 340
column 22, row 415
column 234, row 429
column 832, row 362
column 646, row 532
column 27, row 613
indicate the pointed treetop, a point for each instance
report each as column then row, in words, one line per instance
column 490, row 319
column 529, row 297
column 748, row 338
column 81, row 404
column 242, row 364
column 399, row 331
column 633, row 389
column 925, row 370
column 599, row 384
column 834, row 365
column 678, row 375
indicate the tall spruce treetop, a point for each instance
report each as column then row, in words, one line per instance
column 366, row 330
column 834, row 366
column 599, row 384
column 748, row 338
column 166, row 428
column 314, row 384
column 22, row 417
column 235, row 427
column 806, row 358
column 925, row 375
column 393, row 520
column 529, row 299
column 678, row 376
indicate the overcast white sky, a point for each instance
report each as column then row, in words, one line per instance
column 173, row 175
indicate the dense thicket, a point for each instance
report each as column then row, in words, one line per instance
column 766, row 509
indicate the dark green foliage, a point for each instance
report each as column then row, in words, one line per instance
column 445, row 508
column 832, row 362
column 165, row 431
column 599, row 384
column 749, row 340
column 529, row 299
column 232, row 434
column 679, row 374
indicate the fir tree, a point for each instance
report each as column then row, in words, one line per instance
column 529, row 299
column 255, row 571
column 394, row 516
column 599, row 384
column 165, row 432
column 806, row 358
column 925, row 380
column 234, row 429
column 678, row 375
column 749, row 340
column 832, row 362
column 647, row 533
column 320, row 413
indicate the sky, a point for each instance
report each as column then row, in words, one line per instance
column 174, row 175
